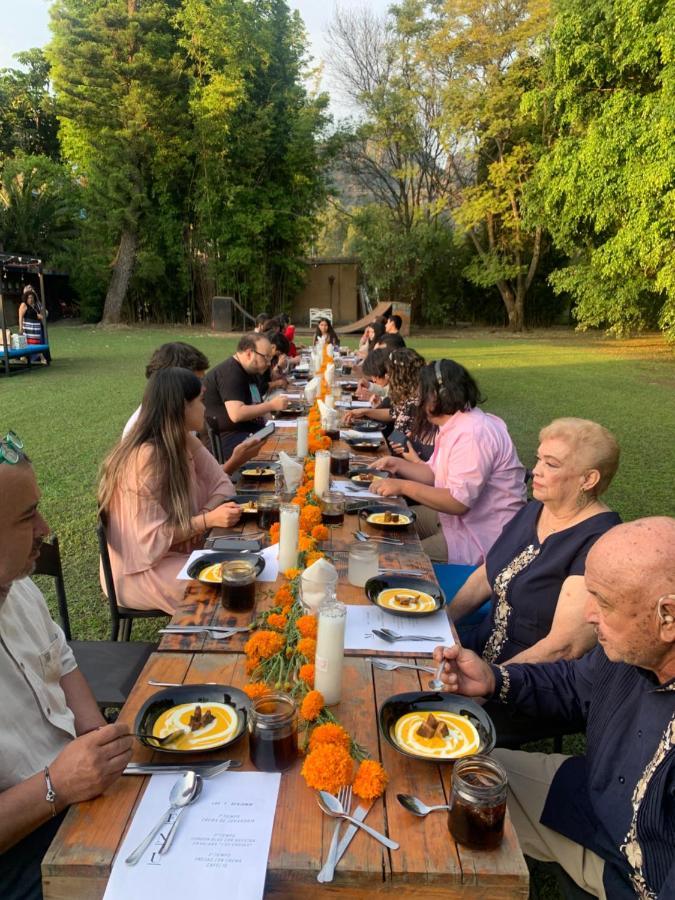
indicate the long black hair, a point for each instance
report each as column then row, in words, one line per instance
column 331, row 336
column 446, row 387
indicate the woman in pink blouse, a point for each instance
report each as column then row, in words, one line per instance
column 474, row 480
column 161, row 490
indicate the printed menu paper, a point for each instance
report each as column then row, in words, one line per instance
column 362, row 619
column 221, row 844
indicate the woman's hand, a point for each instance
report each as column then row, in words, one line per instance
column 241, row 454
column 352, row 414
column 408, row 453
column 464, row 672
column 224, row 516
column 386, row 463
column 387, row 487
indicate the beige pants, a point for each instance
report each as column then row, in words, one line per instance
column 530, row 776
column 429, row 532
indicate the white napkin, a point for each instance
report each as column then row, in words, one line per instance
column 330, row 374
column 315, row 581
column 292, row 472
column 353, row 435
column 312, row 389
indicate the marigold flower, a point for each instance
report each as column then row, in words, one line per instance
column 251, row 665
column 311, row 706
column 277, row 620
column 370, row 781
column 306, row 674
column 307, row 647
column 320, row 533
column 275, row 531
column 312, row 557
column 291, row 574
column 328, row 768
column 283, row 596
column 256, row 689
column 329, row 734
column 307, row 626
column 305, row 543
column 263, row 644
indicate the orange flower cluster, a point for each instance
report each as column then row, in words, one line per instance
column 310, row 517
column 328, row 767
column 311, row 706
column 256, row 689
column 307, row 626
column 312, row 557
column 275, row 531
column 370, row 781
column 291, row 574
column 307, row 647
column 329, row 734
column 277, row 620
column 320, row 533
column 263, row 644
column 306, row 674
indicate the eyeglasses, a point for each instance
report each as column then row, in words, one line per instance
column 11, row 449
column 264, row 356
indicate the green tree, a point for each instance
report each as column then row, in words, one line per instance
column 122, row 103
column 606, row 189
column 28, row 122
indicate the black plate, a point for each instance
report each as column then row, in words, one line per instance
column 209, row 559
column 349, row 386
column 364, row 445
column 359, row 470
column 241, row 499
column 366, row 425
column 374, row 508
column 400, row 704
column 292, row 410
column 191, row 693
column 375, row 586
column 257, row 466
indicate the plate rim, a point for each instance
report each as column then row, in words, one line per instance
column 396, row 612
column 235, row 554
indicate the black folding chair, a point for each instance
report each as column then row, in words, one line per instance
column 214, row 440
column 111, row 668
column 121, row 617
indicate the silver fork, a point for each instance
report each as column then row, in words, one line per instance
column 362, row 536
column 392, row 636
column 328, row 870
column 390, row 664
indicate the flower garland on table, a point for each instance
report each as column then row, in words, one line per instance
column 280, row 654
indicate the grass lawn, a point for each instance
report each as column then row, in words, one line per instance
column 70, row 414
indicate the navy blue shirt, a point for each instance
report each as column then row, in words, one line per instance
column 526, row 578
column 619, row 799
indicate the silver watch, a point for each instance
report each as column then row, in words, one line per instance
column 50, row 796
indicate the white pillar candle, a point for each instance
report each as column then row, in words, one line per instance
column 329, row 401
column 330, row 651
column 289, row 518
column 330, row 374
column 303, row 436
column 321, row 472
column 330, row 350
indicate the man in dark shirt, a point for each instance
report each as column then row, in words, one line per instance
column 608, row 818
column 392, row 339
column 232, row 393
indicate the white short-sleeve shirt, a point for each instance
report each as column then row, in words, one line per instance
column 36, row 720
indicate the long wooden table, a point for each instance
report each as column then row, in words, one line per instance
column 428, row 864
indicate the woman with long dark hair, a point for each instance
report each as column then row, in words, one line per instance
column 160, row 491
column 473, row 483
column 324, row 329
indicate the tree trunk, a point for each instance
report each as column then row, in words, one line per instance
column 121, row 275
column 514, row 301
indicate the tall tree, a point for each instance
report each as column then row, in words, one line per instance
column 28, row 122
column 122, row 103
column 607, row 188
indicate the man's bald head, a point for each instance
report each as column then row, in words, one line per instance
column 22, row 528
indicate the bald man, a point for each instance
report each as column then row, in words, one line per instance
column 608, row 818
column 55, row 746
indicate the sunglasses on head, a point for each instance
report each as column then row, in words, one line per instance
column 11, row 449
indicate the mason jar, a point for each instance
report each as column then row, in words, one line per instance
column 273, row 732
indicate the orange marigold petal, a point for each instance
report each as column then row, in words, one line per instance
column 328, row 767
column 329, row 734
column 307, row 626
column 311, row 706
column 371, row 780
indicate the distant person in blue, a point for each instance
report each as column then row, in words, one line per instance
column 608, row 818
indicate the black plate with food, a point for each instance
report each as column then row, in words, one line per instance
column 371, row 445
column 366, row 425
column 293, row 410
column 257, row 472
column 436, row 726
column 206, row 568
column 248, row 503
column 363, row 475
column 219, row 721
column 349, row 386
column 387, row 518
column 405, row 595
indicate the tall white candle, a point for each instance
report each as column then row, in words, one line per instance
column 303, row 437
column 289, row 518
column 330, row 651
column 321, row 472
column 330, row 374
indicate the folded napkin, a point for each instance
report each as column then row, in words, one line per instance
column 312, row 389
column 316, row 581
column 292, row 472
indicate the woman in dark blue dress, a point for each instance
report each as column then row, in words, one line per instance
column 533, row 574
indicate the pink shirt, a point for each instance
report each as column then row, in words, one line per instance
column 474, row 458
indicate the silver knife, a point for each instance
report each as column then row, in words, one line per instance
column 204, row 769
column 360, row 814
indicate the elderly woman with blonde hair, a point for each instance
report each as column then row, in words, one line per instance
column 533, row 574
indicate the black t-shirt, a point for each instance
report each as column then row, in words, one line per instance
column 393, row 341
column 230, row 381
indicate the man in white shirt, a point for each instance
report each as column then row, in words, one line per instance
column 55, row 746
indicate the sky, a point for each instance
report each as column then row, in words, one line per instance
column 25, row 23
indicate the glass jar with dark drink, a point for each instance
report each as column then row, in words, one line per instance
column 339, row 462
column 332, row 506
column 238, row 585
column 273, row 732
column 268, row 511
column 478, row 803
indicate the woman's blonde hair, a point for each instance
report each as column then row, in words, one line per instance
column 161, row 423
column 593, row 445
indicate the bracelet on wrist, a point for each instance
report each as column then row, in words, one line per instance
column 50, row 796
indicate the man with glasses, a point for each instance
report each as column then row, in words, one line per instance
column 232, row 392
column 55, row 746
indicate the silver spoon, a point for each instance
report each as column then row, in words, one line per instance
column 181, row 794
column 415, row 805
column 332, row 807
column 435, row 683
column 174, row 825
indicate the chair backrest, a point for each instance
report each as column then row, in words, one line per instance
column 102, row 536
column 214, row 440
column 316, row 314
column 49, row 563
